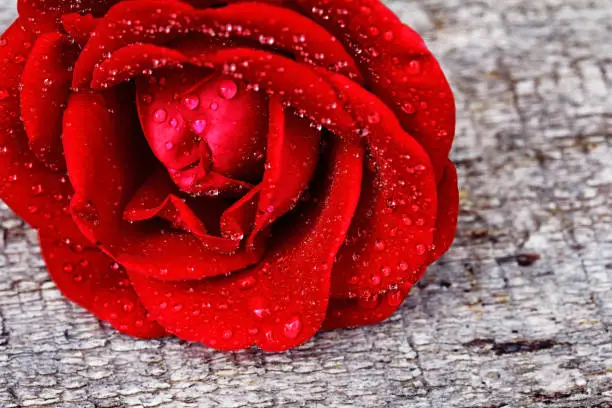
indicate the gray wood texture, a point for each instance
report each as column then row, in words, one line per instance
column 517, row 314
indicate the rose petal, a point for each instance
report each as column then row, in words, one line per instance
column 398, row 68
column 79, row 27
column 392, row 232
column 448, row 212
column 35, row 193
column 292, row 157
column 117, row 29
column 346, row 313
column 96, row 282
column 46, row 85
column 263, row 305
column 106, row 159
column 33, row 8
column 134, row 60
column 288, row 31
column 194, row 117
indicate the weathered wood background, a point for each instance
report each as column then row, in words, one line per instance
column 485, row 328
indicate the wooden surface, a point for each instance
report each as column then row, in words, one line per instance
column 485, row 328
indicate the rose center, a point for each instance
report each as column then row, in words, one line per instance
column 201, row 124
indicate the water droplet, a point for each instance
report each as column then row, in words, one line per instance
column 169, row 145
column 379, row 245
column 228, row 89
column 77, row 278
column 261, row 312
column 146, row 99
column 173, row 122
column 37, row 189
column 386, row 270
column 214, row 106
column 160, row 115
column 4, row 94
column 163, row 305
column 375, row 279
column 247, row 283
column 407, row 221
column 414, row 67
column 253, row 331
column 388, row 35
column 403, row 266
column 227, row 334
column 68, row 267
column 178, row 307
column 374, row 118
column 115, row 266
column 421, row 249
column 128, row 306
column 198, row 126
column 33, row 209
column 394, row 298
column 191, row 102
column 292, row 328
column 408, row 108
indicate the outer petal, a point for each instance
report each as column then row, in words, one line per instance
column 448, row 212
column 398, row 68
column 46, row 85
column 392, row 233
column 263, row 305
column 41, row 197
column 343, row 313
column 117, row 30
column 96, row 282
column 35, row 193
column 33, row 8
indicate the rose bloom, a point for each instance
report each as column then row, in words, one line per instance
column 240, row 174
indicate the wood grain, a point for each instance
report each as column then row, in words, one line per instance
column 518, row 313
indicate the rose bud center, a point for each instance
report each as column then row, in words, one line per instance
column 204, row 125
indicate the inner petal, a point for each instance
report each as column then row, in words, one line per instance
column 200, row 123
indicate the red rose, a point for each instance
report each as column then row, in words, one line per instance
column 235, row 174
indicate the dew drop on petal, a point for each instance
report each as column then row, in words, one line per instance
column 374, row 118
column 414, row 67
column 191, row 102
column 247, row 283
column 4, row 94
column 394, row 298
column 228, row 89
column 261, row 312
column 408, row 108
column 160, row 115
column 292, row 328
column 198, row 126
column 128, row 306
